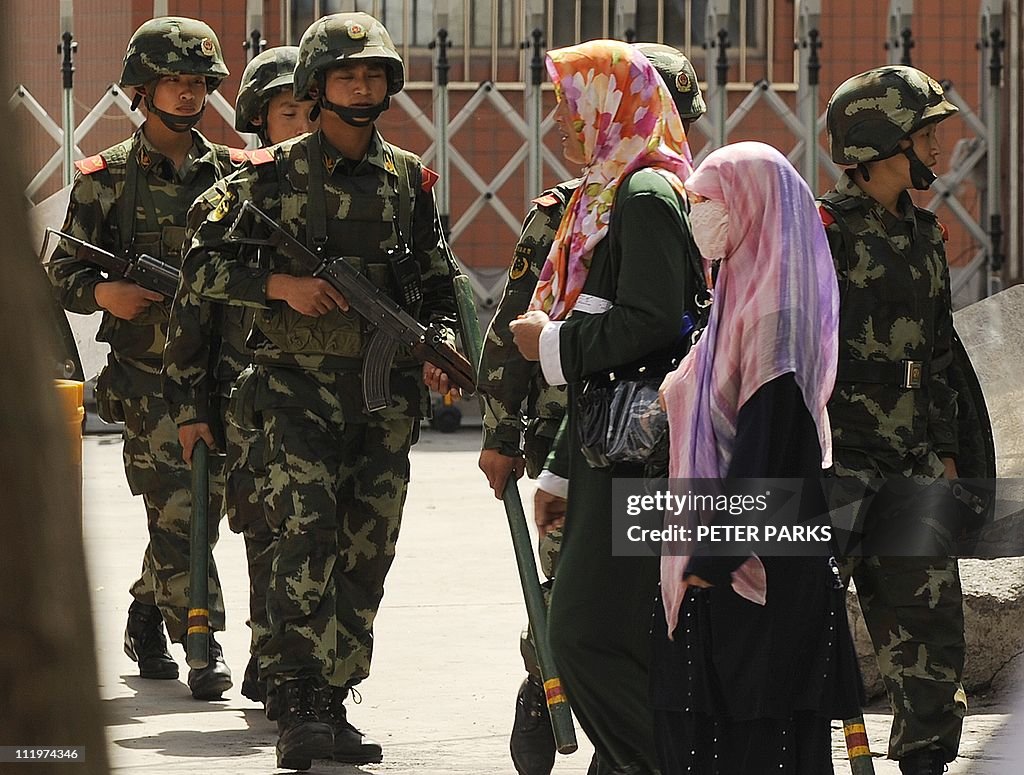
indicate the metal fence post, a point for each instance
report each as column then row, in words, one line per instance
column 900, row 39
column 67, row 48
column 442, row 44
column 717, row 37
column 991, row 46
column 807, row 95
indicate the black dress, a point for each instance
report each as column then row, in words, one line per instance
column 744, row 688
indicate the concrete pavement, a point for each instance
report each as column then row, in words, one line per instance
column 446, row 662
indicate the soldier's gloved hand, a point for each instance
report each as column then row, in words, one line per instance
column 526, row 330
column 548, row 511
column 435, row 379
column 497, row 467
column 189, row 434
column 124, row 299
column 306, row 295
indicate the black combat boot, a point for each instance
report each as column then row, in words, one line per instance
column 302, row 736
column 930, row 761
column 532, row 743
column 144, row 642
column 210, row 682
column 350, row 745
column 271, row 707
column 252, row 687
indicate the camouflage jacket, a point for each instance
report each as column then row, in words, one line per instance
column 205, row 350
column 364, row 197
column 505, row 376
column 153, row 223
column 894, row 306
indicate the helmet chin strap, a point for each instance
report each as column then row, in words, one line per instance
column 357, row 117
column 175, row 123
column 921, row 176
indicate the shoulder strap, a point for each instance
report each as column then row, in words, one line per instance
column 316, row 207
column 126, row 202
column 409, row 176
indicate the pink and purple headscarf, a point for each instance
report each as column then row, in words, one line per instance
column 775, row 311
column 626, row 120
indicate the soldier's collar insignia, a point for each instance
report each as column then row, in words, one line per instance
column 145, row 160
column 356, row 31
column 207, row 47
column 330, row 163
column 683, row 81
column 389, row 162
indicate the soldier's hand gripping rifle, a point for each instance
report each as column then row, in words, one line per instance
column 393, row 326
column 197, row 640
column 536, row 610
column 145, row 271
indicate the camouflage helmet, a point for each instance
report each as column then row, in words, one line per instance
column 263, row 76
column 680, row 77
column 870, row 113
column 170, row 45
column 341, row 37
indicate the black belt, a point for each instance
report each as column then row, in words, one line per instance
column 905, row 374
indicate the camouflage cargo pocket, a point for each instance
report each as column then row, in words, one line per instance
column 242, row 412
column 140, row 464
column 108, row 407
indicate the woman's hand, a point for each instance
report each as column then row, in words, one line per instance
column 696, row 581
column 526, row 330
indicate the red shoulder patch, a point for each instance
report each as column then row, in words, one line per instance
column 259, row 156
column 945, row 231
column 238, row 155
column 429, row 179
column 546, row 200
column 827, row 219
column 91, row 165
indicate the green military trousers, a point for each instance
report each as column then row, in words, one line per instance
column 243, row 504
column 155, row 470
column 335, row 490
column 913, row 609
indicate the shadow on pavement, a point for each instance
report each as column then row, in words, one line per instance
column 190, row 743
column 161, row 698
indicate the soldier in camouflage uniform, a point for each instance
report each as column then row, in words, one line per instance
column 894, row 410
column 134, row 197
column 336, row 474
column 197, row 387
column 517, row 393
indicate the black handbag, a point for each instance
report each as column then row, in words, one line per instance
column 619, row 420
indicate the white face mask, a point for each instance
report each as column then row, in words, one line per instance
column 709, row 224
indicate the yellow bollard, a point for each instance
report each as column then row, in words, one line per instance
column 69, row 397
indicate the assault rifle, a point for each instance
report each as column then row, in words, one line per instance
column 145, row 271
column 393, row 326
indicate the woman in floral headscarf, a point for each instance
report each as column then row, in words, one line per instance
column 756, row 657
column 611, row 297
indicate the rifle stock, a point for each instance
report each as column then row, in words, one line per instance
column 388, row 318
column 522, row 543
column 143, row 270
column 197, row 640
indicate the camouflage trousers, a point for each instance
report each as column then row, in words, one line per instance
column 155, row 470
column 548, row 549
column 913, row 609
column 334, row 494
column 243, row 504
